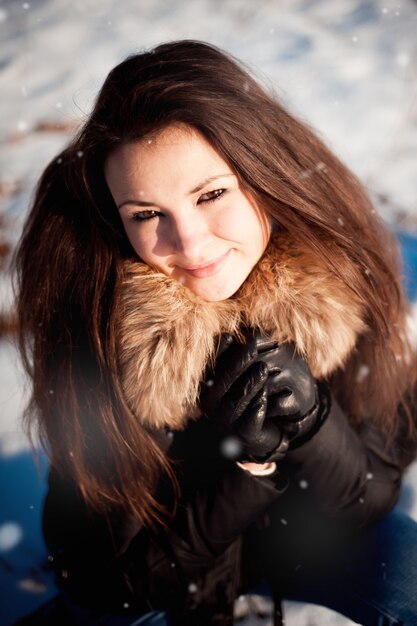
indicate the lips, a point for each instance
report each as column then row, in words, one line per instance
column 207, row 270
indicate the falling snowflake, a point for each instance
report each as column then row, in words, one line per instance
column 231, row 448
column 283, row 521
column 192, row 588
column 10, row 536
column 369, row 476
column 403, row 59
column 363, row 372
column 303, row 484
column 341, row 221
column 210, row 382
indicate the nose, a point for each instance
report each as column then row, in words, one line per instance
column 190, row 235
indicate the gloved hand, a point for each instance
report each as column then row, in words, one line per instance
column 291, row 389
column 262, row 394
column 235, row 399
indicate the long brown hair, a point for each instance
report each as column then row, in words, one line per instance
column 70, row 257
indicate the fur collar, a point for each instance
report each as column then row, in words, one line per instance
column 168, row 336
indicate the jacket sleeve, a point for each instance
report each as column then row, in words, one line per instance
column 354, row 475
column 113, row 557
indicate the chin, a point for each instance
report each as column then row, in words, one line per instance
column 215, row 293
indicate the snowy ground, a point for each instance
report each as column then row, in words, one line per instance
column 348, row 67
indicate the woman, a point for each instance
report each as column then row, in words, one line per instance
column 212, row 316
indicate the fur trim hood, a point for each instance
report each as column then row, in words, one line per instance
column 168, row 336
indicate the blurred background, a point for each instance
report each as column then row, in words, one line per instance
column 348, row 68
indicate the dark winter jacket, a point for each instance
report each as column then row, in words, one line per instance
column 231, row 528
column 336, row 483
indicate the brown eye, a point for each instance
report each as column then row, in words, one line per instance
column 210, row 196
column 140, row 216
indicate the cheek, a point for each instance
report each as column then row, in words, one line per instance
column 141, row 243
column 243, row 224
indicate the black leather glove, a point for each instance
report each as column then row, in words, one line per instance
column 235, row 399
column 291, row 389
column 263, row 394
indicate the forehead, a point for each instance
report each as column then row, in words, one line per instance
column 173, row 153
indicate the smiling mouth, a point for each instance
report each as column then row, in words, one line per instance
column 204, row 271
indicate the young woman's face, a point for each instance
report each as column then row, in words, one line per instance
column 184, row 212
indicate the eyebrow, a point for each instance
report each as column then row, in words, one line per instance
column 199, row 187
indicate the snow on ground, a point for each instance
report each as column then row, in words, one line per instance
column 349, row 68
